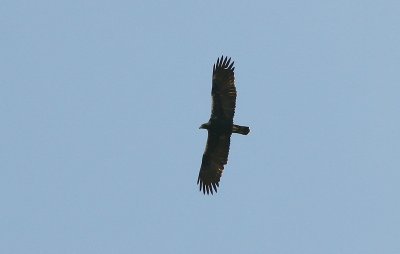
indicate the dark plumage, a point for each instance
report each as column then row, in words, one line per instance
column 220, row 126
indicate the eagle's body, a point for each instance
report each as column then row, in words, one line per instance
column 220, row 126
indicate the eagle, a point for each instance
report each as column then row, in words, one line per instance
column 220, row 126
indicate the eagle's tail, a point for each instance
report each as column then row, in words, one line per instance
column 244, row 130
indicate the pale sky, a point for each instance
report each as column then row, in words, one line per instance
column 101, row 103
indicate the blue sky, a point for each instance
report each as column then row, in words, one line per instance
column 101, row 103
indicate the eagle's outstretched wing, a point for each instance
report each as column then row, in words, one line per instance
column 223, row 90
column 222, row 111
column 214, row 158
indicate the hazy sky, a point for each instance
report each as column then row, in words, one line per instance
column 100, row 104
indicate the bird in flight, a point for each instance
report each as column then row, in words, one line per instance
column 220, row 126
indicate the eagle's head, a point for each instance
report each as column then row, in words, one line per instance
column 205, row 126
